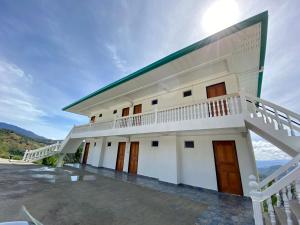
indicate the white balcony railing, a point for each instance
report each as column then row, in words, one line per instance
column 226, row 105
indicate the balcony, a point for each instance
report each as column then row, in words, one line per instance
column 214, row 113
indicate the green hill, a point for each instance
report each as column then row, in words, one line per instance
column 15, row 145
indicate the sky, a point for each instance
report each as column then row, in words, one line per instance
column 55, row 52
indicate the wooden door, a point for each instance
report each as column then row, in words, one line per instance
column 120, row 157
column 137, row 109
column 133, row 158
column 125, row 112
column 137, row 119
column 227, row 167
column 86, row 153
column 215, row 91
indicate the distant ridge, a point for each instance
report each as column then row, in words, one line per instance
column 23, row 132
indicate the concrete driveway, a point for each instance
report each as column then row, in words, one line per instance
column 69, row 196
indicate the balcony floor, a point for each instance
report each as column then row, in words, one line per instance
column 86, row 195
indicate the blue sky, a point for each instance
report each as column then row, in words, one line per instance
column 55, row 52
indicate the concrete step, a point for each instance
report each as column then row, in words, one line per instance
column 295, row 208
column 281, row 216
column 266, row 218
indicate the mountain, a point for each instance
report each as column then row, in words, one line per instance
column 23, row 132
column 12, row 144
column 266, row 171
column 269, row 163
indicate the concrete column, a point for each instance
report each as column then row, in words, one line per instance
column 60, row 161
column 126, row 157
column 102, row 152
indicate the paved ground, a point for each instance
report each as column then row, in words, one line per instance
column 99, row 196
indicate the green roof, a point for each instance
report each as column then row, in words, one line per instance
column 262, row 17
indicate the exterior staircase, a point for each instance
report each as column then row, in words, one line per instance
column 276, row 199
column 60, row 147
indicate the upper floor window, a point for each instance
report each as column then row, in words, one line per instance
column 100, row 115
column 189, row 144
column 115, row 111
column 154, row 102
column 154, row 143
column 108, row 144
column 187, row 93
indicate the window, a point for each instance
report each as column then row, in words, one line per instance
column 115, row 111
column 100, row 115
column 187, row 93
column 155, row 143
column 154, row 102
column 108, row 144
column 189, row 144
column 95, row 144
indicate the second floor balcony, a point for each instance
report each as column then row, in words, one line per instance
column 214, row 113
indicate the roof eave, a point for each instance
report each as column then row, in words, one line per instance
column 262, row 17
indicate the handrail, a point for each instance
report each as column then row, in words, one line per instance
column 138, row 115
column 184, row 105
column 280, row 171
column 280, row 108
column 277, row 186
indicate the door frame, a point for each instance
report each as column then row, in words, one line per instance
column 86, row 153
column 237, row 160
column 122, row 142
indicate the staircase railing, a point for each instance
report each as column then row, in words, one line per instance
column 40, row 153
column 281, row 191
column 280, row 172
column 279, row 117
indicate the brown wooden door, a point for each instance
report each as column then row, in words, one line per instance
column 137, row 119
column 227, row 167
column 133, row 158
column 86, row 153
column 120, row 157
column 125, row 112
column 137, row 109
column 215, row 91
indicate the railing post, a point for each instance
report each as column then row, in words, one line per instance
column 255, row 195
column 243, row 103
column 25, row 155
column 114, row 123
column 155, row 115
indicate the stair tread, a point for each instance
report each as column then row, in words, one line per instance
column 295, row 208
column 267, row 220
column 280, row 215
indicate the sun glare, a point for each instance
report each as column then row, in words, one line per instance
column 219, row 15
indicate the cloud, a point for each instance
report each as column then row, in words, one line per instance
column 264, row 150
column 120, row 63
column 17, row 104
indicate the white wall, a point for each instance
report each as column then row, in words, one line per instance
column 171, row 162
column 94, row 152
column 197, row 167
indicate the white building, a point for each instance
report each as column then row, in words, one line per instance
column 185, row 118
column 179, row 119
